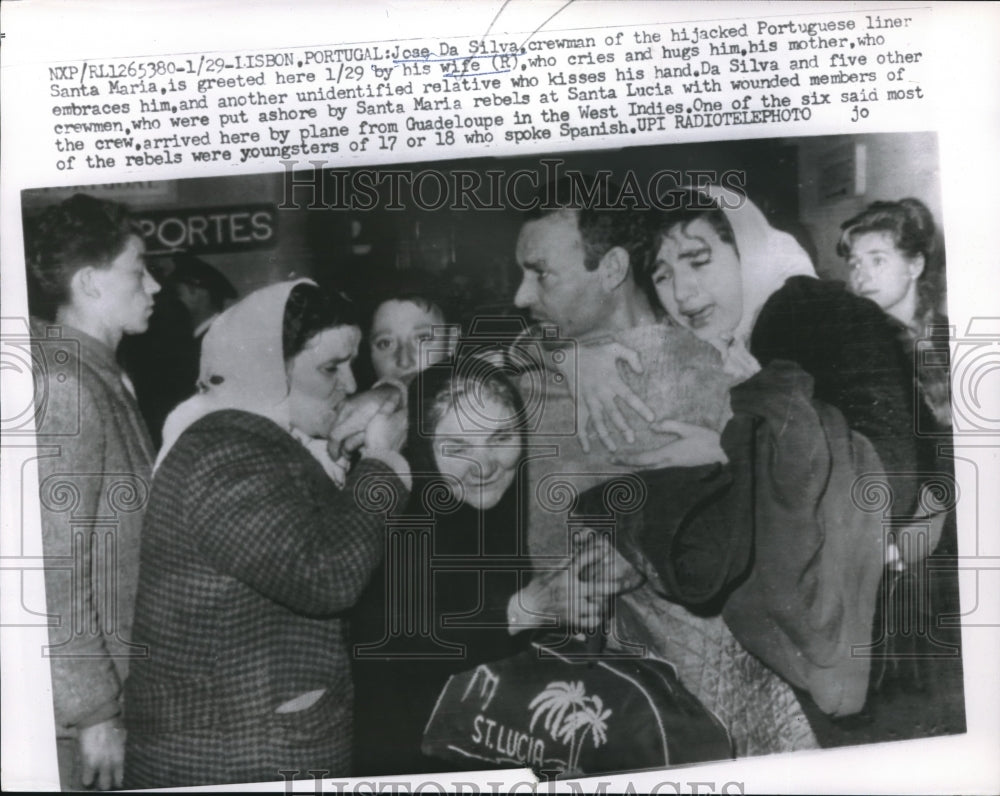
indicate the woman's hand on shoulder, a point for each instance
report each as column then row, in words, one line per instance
column 599, row 388
column 692, row 446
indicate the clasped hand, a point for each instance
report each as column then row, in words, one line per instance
column 578, row 591
column 375, row 419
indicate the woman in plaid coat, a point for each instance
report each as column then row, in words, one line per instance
column 255, row 545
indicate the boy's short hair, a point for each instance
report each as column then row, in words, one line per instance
column 79, row 232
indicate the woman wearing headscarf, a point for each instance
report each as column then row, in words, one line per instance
column 256, row 543
column 720, row 270
column 449, row 594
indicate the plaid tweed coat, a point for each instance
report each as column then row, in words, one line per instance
column 250, row 558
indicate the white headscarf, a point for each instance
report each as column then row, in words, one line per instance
column 768, row 257
column 243, row 367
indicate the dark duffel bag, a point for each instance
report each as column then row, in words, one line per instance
column 567, row 712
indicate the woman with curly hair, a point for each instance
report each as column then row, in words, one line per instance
column 892, row 251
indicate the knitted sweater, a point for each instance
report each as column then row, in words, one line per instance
column 682, row 379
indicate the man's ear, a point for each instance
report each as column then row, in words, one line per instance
column 613, row 268
column 83, row 283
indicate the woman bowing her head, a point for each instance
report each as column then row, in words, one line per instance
column 257, row 541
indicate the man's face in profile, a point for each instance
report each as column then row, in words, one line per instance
column 125, row 290
column 556, row 286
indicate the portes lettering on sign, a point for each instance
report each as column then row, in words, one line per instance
column 210, row 230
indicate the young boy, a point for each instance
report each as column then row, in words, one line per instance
column 88, row 286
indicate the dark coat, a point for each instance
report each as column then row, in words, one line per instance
column 785, row 499
column 852, row 349
column 778, row 536
column 251, row 559
column 467, row 562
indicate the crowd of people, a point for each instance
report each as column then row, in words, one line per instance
column 274, row 605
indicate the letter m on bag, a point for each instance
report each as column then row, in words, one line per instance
column 486, row 682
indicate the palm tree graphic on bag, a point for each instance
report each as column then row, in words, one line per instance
column 568, row 711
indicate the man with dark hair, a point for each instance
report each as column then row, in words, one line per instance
column 656, row 371
column 88, row 282
column 576, row 249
